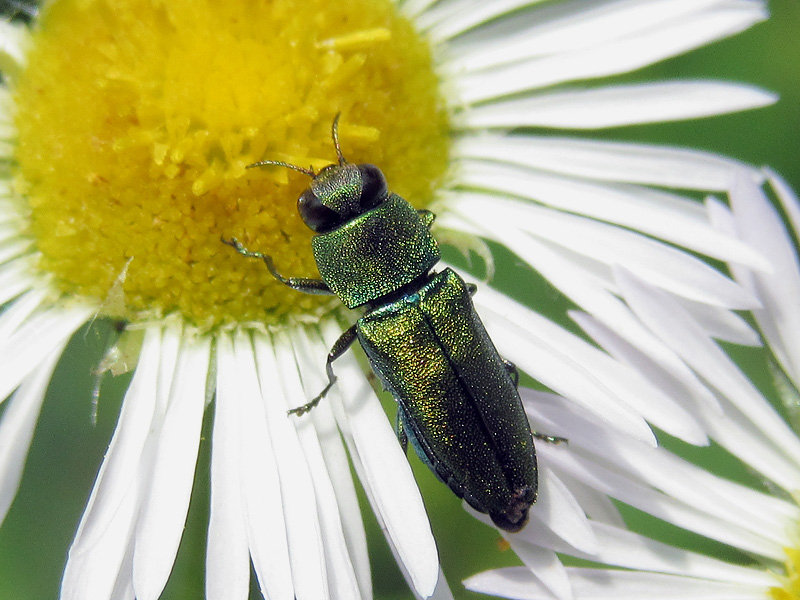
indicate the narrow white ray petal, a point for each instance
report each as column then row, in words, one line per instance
column 19, row 313
column 631, row 491
column 740, row 506
column 310, row 355
column 672, row 324
column 104, row 534
column 657, row 213
column 387, row 473
column 786, row 196
column 448, row 19
column 557, row 510
column 118, row 473
column 342, row 581
column 721, row 323
column 616, row 106
column 546, row 567
column 35, row 339
column 92, row 573
column 15, row 40
column 309, row 572
column 227, row 557
column 15, row 278
column 547, row 353
column 266, row 527
column 745, row 440
column 14, row 247
column 654, row 361
column 611, row 161
column 166, row 501
column 655, row 262
column 412, row 8
column 758, row 223
column 616, row 57
column 571, row 26
column 623, row 383
column 607, row 584
column 622, row 548
column 597, row 506
column 17, row 425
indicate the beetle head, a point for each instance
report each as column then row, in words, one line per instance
column 339, row 192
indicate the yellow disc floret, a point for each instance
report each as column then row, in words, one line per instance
column 137, row 119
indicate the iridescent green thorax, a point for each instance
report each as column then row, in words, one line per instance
column 376, row 253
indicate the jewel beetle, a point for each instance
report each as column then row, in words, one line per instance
column 457, row 398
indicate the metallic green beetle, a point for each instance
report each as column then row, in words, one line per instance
column 457, row 399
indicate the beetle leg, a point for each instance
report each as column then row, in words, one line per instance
column 340, row 347
column 301, row 284
column 472, row 288
column 550, row 439
column 427, row 217
column 512, row 370
column 400, row 431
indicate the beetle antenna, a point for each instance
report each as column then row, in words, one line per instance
column 280, row 163
column 335, row 135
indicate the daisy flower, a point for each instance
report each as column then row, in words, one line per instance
column 127, row 129
column 758, row 522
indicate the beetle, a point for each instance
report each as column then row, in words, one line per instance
column 457, row 398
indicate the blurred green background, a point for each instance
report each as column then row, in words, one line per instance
column 68, row 449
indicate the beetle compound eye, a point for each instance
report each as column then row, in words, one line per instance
column 315, row 214
column 373, row 187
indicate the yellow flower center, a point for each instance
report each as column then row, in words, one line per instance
column 790, row 590
column 137, row 118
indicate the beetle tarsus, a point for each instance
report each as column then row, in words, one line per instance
column 550, row 439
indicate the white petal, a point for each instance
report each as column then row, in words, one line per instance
column 166, row 501
column 310, row 357
column 36, row 338
column 546, row 567
column 786, row 196
column 606, row 584
column 664, row 166
column 671, row 323
column 388, row 475
column 15, row 278
column 548, row 353
column 227, row 557
column 721, row 323
column 448, row 19
column 570, row 26
column 604, row 60
column 657, row 263
column 630, row 490
column 15, row 40
column 342, row 581
column 660, row 214
column 615, row 106
column 13, row 248
column 636, row 346
column 558, row 511
column 759, row 224
column 103, row 535
column 309, row 572
column 622, row 548
column 266, row 528
column 17, row 425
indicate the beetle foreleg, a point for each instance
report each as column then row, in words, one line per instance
column 427, row 217
column 399, row 430
column 550, row 439
column 301, row 284
column 340, row 347
column 512, row 370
